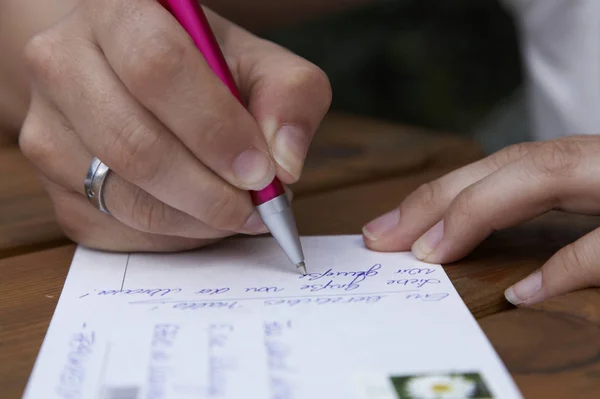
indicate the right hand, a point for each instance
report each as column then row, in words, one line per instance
column 122, row 81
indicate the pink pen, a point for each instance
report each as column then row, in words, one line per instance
column 272, row 203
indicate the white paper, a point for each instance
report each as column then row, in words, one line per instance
column 236, row 320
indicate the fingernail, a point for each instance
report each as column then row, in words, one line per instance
column 381, row 225
column 254, row 169
column 525, row 289
column 289, row 193
column 425, row 245
column 254, row 225
column 289, row 149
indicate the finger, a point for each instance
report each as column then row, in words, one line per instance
column 58, row 153
column 85, row 225
column 400, row 228
column 136, row 208
column 162, row 68
column 288, row 96
column 127, row 137
column 574, row 267
column 49, row 142
column 518, row 192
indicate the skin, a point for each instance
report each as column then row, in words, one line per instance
column 121, row 80
column 445, row 219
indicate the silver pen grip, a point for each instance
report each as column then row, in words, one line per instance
column 277, row 215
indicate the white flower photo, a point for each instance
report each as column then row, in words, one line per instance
column 441, row 386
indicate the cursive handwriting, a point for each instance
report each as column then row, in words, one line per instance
column 330, row 285
column 72, row 376
column 416, row 270
column 205, row 305
column 414, row 282
column 357, row 278
column 428, row 297
column 220, row 360
column 163, row 339
column 324, row 300
column 264, row 289
column 141, row 291
column 212, row 291
column 279, row 353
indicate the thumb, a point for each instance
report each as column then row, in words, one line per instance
column 574, row 267
column 287, row 95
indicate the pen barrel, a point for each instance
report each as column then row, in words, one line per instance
column 278, row 217
column 191, row 17
column 272, row 191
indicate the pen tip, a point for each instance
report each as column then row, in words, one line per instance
column 302, row 268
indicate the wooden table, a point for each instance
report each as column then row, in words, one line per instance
column 357, row 168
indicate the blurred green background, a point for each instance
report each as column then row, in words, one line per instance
column 450, row 65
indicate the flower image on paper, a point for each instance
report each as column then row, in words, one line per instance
column 441, row 386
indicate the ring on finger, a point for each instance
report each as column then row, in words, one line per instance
column 94, row 184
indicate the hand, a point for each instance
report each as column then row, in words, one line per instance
column 444, row 220
column 122, row 81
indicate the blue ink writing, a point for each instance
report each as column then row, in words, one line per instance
column 414, row 282
column 205, row 305
column 357, row 277
column 342, row 300
column 142, row 291
column 264, row 289
column 416, row 271
column 219, row 362
column 279, row 352
column 218, row 336
column 428, row 297
column 212, row 291
column 276, row 328
column 163, row 339
column 330, row 285
column 72, row 377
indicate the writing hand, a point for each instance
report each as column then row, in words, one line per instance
column 122, row 81
column 445, row 219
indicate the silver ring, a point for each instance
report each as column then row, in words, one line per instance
column 94, row 184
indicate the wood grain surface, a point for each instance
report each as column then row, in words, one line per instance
column 552, row 350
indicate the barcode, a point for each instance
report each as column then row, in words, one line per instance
column 121, row 393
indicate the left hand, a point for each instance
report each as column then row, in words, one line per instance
column 445, row 219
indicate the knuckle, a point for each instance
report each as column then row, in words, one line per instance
column 138, row 151
column 556, row 158
column 32, row 142
column 572, row 260
column 428, row 195
column 147, row 213
column 225, row 212
column 464, row 205
column 153, row 63
column 313, row 80
column 43, row 57
column 511, row 153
